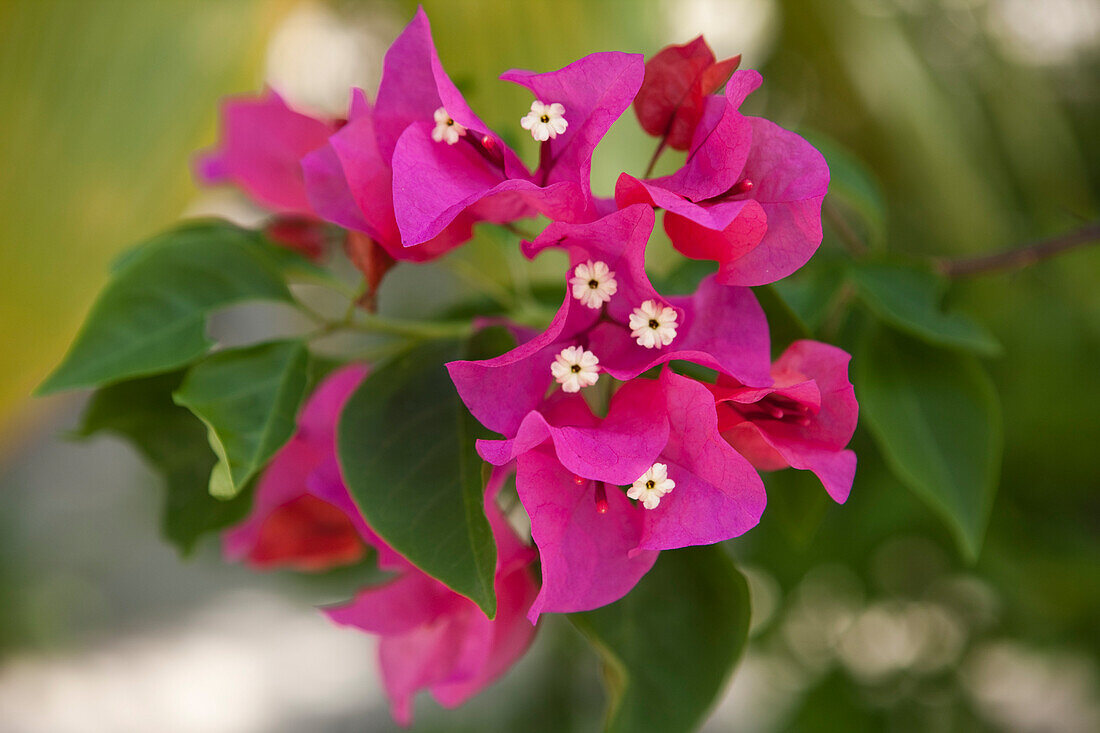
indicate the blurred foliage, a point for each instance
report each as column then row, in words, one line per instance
column 105, row 102
column 951, row 146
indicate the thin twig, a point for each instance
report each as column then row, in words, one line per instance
column 656, row 154
column 518, row 231
column 847, row 235
column 1014, row 259
column 836, row 310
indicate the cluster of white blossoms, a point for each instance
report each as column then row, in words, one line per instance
column 653, row 325
column 593, row 283
column 545, row 121
column 575, row 368
column 651, row 486
column 446, row 129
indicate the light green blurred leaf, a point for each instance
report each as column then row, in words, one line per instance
column 936, row 417
column 669, row 646
column 810, row 291
column 406, row 447
column 151, row 316
column 248, row 398
column 908, row 299
column 174, row 443
column 853, row 186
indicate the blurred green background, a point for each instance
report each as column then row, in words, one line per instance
column 979, row 118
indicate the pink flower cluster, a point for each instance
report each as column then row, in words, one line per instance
column 617, row 455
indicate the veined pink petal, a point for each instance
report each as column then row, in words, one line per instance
column 397, row 606
column 584, row 553
column 616, row 450
column 500, row 392
column 718, row 494
column 595, row 91
column 721, row 328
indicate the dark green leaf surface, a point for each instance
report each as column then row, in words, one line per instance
column 937, row 419
column 173, row 441
column 797, row 503
column 406, row 445
column 909, row 299
column 784, row 324
column 248, row 398
column 151, row 316
column 670, row 645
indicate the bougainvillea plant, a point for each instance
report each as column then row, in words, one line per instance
column 586, row 449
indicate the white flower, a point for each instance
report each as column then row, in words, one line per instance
column 446, row 129
column 653, row 325
column 651, row 486
column 593, row 283
column 545, row 121
column 575, row 368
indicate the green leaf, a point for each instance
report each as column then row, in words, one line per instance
column 299, row 268
column 172, row 441
column 796, row 503
column 784, row 324
column 685, row 278
column 936, row 418
column 248, row 398
column 406, row 447
column 852, row 186
column 151, row 316
column 909, row 299
column 671, row 644
column 811, row 292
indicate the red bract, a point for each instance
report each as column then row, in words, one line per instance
column 673, row 94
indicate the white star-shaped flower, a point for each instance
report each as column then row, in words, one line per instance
column 651, row 486
column 545, row 121
column 593, row 283
column 575, row 368
column 446, row 129
column 653, row 325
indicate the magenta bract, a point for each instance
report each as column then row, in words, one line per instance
column 804, row 420
column 262, row 142
column 594, row 543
